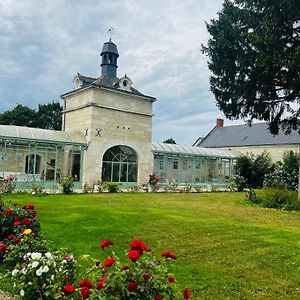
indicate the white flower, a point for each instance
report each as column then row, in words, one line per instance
column 45, row 269
column 28, row 254
column 14, row 272
column 23, row 271
column 36, row 255
column 22, row 293
column 35, row 264
column 52, row 277
column 39, row 271
column 48, row 255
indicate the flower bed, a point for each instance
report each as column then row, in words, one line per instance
column 38, row 272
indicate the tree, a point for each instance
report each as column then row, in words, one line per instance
column 254, row 57
column 254, row 168
column 20, row 115
column 169, row 141
column 48, row 116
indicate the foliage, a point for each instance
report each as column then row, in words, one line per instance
column 238, row 183
column 253, row 54
column 277, row 198
column 67, row 185
column 254, row 168
column 47, row 116
column 113, row 187
column 169, row 141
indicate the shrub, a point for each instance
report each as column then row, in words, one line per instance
column 277, row 198
column 113, row 187
column 67, row 185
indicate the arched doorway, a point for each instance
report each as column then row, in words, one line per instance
column 119, row 165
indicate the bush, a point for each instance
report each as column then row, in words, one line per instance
column 67, row 185
column 113, row 187
column 277, row 198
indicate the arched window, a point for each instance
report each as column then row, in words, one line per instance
column 32, row 164
column 119, row 165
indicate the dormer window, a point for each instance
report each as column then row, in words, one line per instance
column 125, row 83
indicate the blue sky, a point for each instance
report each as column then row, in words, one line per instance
column 45, row 43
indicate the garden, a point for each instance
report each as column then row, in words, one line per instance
column 97, row 246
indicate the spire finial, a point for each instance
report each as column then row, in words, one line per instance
column 110, row 31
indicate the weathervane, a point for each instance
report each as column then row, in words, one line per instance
column 110, row 31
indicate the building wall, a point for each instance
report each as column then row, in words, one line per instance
column 276, row 151
column 109, row 118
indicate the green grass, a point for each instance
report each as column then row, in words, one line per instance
column 226, row 249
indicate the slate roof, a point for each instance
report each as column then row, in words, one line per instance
column 244, row 135
column 105, row 81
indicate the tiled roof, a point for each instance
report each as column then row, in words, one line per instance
column 244, row 135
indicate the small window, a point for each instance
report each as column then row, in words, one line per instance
column 175, row 165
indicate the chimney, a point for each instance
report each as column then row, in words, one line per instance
column 220, row 123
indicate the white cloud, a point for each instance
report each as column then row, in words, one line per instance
column 44, row 44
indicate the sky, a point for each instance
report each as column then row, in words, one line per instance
column 43, row 44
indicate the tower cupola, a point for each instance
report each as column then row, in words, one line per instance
column 110, row 56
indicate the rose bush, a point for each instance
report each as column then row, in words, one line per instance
column 36, row 272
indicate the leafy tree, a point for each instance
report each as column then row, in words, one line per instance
column 254, row 168
column 48, row 116
column 254, row 56
column 20, row 115
column 169, row 141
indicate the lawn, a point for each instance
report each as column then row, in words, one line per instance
column 226, row 249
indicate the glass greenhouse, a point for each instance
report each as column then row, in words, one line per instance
column 40, row 157
column 195, row 166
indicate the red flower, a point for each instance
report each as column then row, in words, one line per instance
column 125, row 268
column 158, row 297
column 101, row 283
column 3, row 247
column 147, row 276
column 167, row 254
column 68, row 289
column 17, row 240
column 109, row 262
column 16, row 223
column 134, row 255
column 87, row 283
column 28, row 207
column 84, row 292
column 132, row 286
column 105, row 244
column 139, row 246
column 26, row 221
column 171, row 279
column 97, row 263
column 186, row 294
column 11, row 237
column 16, row 219
column 8, row 212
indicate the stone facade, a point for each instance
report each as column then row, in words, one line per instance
column 110, row 117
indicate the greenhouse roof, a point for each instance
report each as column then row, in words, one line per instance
column 41, row 135
column 191, row 150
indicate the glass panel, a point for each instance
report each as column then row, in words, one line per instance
column 116, row 171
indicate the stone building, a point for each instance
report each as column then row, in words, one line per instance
column 243, row 139
column 107, row 136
